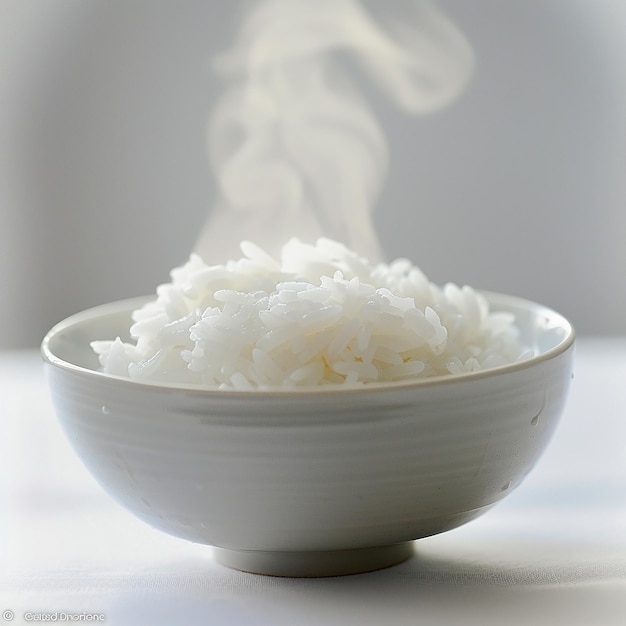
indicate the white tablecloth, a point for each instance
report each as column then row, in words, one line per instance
column 553, row 552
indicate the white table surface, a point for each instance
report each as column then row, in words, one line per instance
column 553, row 552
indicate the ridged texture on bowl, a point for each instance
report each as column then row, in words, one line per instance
column 298, row 471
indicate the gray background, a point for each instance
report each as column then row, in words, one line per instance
column 104, row 179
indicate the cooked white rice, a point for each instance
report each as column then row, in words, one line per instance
column 321, row 315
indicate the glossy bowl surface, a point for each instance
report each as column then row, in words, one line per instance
column 311, row 482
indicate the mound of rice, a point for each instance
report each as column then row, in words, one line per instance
column 321, row 316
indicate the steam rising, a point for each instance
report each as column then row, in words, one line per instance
column 295, row 148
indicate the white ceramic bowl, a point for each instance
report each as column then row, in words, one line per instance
column 317, row 482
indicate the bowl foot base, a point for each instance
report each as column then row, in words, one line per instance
column 314, row 564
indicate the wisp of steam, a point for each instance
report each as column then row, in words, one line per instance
column 295, row 149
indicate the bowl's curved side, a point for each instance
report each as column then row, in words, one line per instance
column 312, row 471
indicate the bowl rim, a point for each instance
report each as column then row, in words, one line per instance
column 130, row 304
